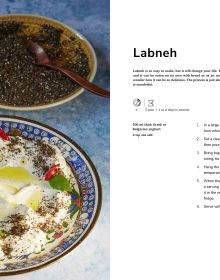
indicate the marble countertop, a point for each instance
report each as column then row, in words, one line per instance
column 86, row 121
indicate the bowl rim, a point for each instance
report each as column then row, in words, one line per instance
column 99, row 202
column 77, row 92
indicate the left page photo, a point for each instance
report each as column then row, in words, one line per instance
column 54, row 139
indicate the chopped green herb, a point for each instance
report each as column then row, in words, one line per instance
column 51, row 241
column 59, row 182
column 74, row 212
column 73, row 191
column 2, row 234
column 50, row 231
column 65, row 224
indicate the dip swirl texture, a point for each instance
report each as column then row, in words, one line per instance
column 29, row 207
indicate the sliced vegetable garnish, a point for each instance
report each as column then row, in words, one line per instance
column 57, row 234
column 74, row 194
column 65, row 224
column 51, row 241
column 77, row 202
column 2, row 234
column 59, row 182
column 74, row 212
column 4, row 135
column 51, row 172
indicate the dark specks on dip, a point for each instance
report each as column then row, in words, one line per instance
column 22, row 82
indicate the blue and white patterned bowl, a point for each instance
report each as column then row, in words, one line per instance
column 89, row 184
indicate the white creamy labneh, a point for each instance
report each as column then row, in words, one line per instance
column 29, row 207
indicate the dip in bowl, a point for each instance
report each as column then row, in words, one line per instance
column 39, row 196
column 50, row 195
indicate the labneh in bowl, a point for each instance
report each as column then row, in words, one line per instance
column 25, row 86
column 88, row 186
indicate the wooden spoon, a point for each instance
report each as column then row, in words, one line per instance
column 43, row 59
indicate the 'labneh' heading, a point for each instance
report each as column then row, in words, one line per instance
column 155, row 53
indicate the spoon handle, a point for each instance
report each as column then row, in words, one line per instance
column 81, row 81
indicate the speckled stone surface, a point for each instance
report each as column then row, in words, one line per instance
column 86, row 121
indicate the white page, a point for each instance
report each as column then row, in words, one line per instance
column 165, row 212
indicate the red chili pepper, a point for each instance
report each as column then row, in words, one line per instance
column 4, row 135
column 77, row 202
column 53, row 170
column 58, row 234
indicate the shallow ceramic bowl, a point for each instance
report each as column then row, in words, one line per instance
column 89, row 187
column 34, row 22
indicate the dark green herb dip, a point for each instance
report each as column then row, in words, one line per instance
column 23, row 83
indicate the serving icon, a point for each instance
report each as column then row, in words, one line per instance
column 136, row 102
